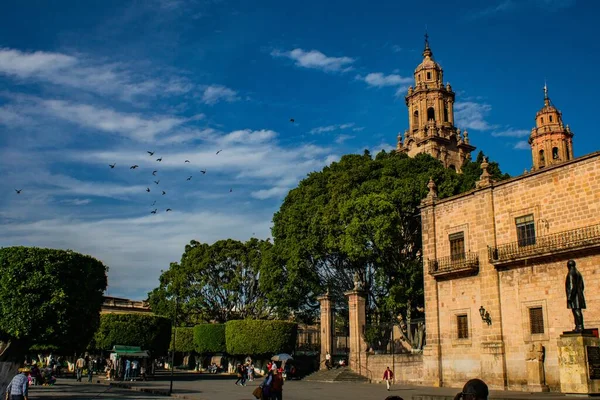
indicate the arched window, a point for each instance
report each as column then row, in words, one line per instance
column 430, row 113
column 416, row 119
column 550, row 118
column 428, row 75
column 452, row 167
column 445, row 114
column 542, row 159
column 567, row 150
column 541, row 120
column 555, row 153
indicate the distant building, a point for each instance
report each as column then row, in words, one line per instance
column 118, row 305
column 431, row 117
column 495, row 265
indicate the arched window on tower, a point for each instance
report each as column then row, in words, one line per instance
column 416, row 119
column 430, row 114
column 567, row 150
column 542, row 159
column 555, row 153
column 446, row 114
column 550, row 116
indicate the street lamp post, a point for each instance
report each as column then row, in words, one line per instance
column 174, row 338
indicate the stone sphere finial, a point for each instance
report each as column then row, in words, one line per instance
column 432, row 188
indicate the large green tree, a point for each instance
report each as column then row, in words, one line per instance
column 357, row 218
column 48, row 299
column 214, row 283
column 150, row 332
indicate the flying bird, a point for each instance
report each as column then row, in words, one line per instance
column 134, row 166
column 292, row 120
column 230, row 190
column 168, row 209
column 151, row 153
column 154, row 212
column 187, row 161
column 219, row 151
column 154, row 173
column 148, row 190
column 164, row 192
column 18, row 191
column 190, row 178
column 157, row 181
column 153, row 203
column 203, row 171
column 159, row 159
column 112, row 165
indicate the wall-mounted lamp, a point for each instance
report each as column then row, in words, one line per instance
column 485, row 316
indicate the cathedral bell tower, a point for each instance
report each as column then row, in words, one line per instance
column 431, row 117
column 551, row 142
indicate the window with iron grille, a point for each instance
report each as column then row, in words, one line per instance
column 525, row 230
column 536, row 320
column 457, row 246
column 462, row 324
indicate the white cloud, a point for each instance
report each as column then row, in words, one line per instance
column 506, row 6
column 136, row 248
column 378, row 79
column 317, row 60
column 472, row 115
column 512, row 132
column 85, row 74
column 277, row 191
column 522, row 145
column 332, row 128
column 342, row 138
column 216, row 93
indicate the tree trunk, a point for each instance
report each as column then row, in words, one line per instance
column 10, row 360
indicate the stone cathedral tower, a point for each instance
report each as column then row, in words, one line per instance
column 431, row 117
column 551, row 142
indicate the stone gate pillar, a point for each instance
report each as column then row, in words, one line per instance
column 357, row 320
column 327, row 327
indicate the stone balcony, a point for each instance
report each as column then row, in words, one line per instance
column 560, row 243
column 453, row 266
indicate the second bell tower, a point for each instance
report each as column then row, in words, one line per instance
column 431, row 117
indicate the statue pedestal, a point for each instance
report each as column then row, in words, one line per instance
column 579, row 362
column 536, row 378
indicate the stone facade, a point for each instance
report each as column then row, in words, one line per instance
column 117, row 305
column 494, row 274
column 431, row 117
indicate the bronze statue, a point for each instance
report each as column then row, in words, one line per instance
column 575, row 299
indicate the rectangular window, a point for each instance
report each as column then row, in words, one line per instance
column 536, row 320
column 525, row 230
column 462, row 324
column 428, row 75
column 551, row 118
column 457, row 246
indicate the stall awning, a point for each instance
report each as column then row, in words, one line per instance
column 131, row 351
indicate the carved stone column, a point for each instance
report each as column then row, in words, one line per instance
column 357, row 320
column 327, row 327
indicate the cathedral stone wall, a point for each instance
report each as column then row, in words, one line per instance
column 513, row 281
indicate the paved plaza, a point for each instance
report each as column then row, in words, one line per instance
column 205, row 387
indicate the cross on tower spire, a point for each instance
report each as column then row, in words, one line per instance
column 426, row 40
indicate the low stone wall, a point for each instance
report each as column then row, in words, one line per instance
column 7, row 371
column 408, row 368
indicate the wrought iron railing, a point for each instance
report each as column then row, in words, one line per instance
column 564, row 241
column 467, row 262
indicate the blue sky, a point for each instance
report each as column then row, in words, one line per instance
column 87, row 84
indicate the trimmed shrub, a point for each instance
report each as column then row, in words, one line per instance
column 150, row 332
column 184, row 340
column 209, row 338
column 259, row 337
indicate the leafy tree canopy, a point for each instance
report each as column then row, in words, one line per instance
column 49, row 299
column 357, row 217
column 252, row 337
column 150, row 332
column 214, row 283
column 209, row 338
column 184, row 340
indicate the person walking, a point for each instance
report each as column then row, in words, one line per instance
column 388, row 375
column 277, row 386
column 127, row 370
column 79, row 365
column 90, row 370
column 328, row 360
column 18, row 388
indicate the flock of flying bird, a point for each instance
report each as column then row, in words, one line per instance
column 151, row 153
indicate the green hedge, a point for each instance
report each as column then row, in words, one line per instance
column 184, row 340
column 209, row 338
column 258, row 337
column 150, row 332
